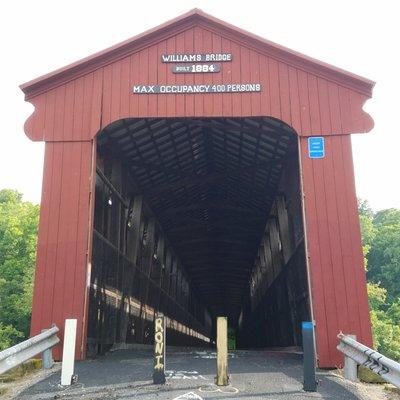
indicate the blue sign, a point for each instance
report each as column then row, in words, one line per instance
column 307, row 325
column 316, row 147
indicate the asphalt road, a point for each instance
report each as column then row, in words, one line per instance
column 126, row 374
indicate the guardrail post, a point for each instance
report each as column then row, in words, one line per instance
column 350, row 366
column 310, row 382
column 386, row 368
column 159, row 349
column 47, row 357
column 222, row 351
column 21, row 352
column 67, row 370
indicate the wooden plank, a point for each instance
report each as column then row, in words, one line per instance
column 353, row 323
column 314, row 254
column 49, row 115
column 284, row 91
column 125, row 88
column 77, row 111
column 82, row 246
column 189, row 78
column 245, row 76
column 354, row 227
column 40, row 271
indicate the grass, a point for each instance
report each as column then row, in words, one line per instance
column 20, row 371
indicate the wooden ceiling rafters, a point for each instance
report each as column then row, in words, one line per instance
column 211, row 183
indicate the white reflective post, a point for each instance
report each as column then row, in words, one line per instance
column 68, row 360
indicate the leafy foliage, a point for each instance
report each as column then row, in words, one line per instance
column 18, row 235
column 381, row 245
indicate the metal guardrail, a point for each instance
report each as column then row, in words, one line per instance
column 388, row 369
column 23, row 351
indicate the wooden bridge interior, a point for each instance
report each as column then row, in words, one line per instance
column 197, row 218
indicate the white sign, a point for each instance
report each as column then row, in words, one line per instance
column 209, row 57
column 183, row 89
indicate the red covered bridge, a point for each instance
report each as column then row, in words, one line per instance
column 179, row 176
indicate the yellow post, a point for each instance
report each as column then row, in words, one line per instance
column 222, row 351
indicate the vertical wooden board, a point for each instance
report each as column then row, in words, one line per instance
column 245, row 77
column 51, row 244
column 189, row 78
column 314, row 255
column 43, row 234
column 304, row 103
column 295, row 110
column 226, row 71
column 207, row 79
column 236, row 76
column 338, row 282
column 334, row 108
column 87, row 106
column 134, row 78
column 81, row 268
column 198, row 78
column 345, row 110
column 68, row 116
column 354, row 226
column 35, row 123
column 78, row 110
column 97, row 99
column 265, row 100
column 49, row 115
column 274, row 88
column 326, row 253
column 58, row 133
column 69, row 218
column 255, row 78
column 126, row 87
column 180, row 78
column 115, row 91
column 217, row 78
column 332, row 210
column 106, row 103
column 314, row 108
column 153, row 65
column 143, row 79
column 284, row 93
column 171, row 79
column 69, row 184
column 345, row 237
column 161, row 78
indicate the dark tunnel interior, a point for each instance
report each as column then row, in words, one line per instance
column 197, row 218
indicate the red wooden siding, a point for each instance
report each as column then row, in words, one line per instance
column 336, row 265
column 71, row 109
column 61, row 264
column 288, row 93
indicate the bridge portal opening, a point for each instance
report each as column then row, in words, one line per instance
column 198, row 217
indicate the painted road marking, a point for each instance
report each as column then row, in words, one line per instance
column 210, row 354
column 189, row 375
column 221, row 389
column 189, row 395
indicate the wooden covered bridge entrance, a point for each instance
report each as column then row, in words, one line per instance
column 179, row 176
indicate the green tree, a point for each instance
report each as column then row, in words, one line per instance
column 18, row 236
column 385, row 326
column 367, row 227
column 381, row 244
column 384, row 252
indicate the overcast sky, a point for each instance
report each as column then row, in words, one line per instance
column 360, row 36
